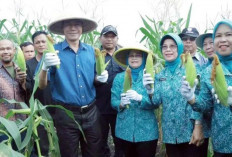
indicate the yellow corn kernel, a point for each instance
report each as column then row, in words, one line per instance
column 190, row 69
column 218, row 81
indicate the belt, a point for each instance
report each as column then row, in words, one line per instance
column 81, row 109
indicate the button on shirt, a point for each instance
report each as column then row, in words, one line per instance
column 73, row 82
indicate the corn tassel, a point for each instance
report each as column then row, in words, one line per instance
column 218, row 81
column 20, row 60
column 190, row 69
column 50, row 47
column 127, row 81
column 149, row 66
column 100, row 61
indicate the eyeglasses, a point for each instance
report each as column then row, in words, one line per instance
column 185, row 38
column 171, row 47
column 135, row 56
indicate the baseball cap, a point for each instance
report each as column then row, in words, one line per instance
column 108, row 29
column 190, row 31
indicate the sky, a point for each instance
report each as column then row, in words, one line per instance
column 123, row 14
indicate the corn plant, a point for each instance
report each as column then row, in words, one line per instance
column 37, row 115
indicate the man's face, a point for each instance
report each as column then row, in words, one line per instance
column 72, row 30
column 109, row 41
column 189, row 44
column 28, row 51
column 7, row 51
column 40, row 43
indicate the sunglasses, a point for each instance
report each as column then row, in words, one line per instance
column 185, row 38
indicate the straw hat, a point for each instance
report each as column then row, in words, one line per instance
column 120, row 56
column 56, row 26
column 201, row 38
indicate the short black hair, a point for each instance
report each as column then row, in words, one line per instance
column 37, row 33
column 25, row 44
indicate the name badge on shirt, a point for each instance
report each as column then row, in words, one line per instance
column 162, row 79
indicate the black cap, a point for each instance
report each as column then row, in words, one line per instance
column 108, row 29
column 191, row 31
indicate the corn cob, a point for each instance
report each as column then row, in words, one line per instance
column 127, row 81
column 100, row 61
column 190, row 69
column 149, row 66
column 50, row 47
column 218, row 81
column 20, row 60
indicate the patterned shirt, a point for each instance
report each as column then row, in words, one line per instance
column 222, row 116
column 138, row 122
column 10, row 89
column 177, row 114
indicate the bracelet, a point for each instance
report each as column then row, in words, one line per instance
column 197, row 122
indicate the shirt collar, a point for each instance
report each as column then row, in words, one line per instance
column 197, row 56
column 66, row 45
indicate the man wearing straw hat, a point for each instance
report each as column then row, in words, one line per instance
column 72, row 86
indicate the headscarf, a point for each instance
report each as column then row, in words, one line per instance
column 135, row 71
column 180, row 48
column 225, row 60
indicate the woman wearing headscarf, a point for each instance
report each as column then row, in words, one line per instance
column 180, row 133
column 222, row 114
column 205, row 42
column 136, row 125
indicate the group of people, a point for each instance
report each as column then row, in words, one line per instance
column 190, row 115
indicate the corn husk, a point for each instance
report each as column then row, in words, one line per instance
column 100, row 61
column 218, row 81
column 20, row 60
column 149, row 66
column 190, row 69
column 50, row 47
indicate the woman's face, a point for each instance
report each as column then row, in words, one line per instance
column 135, row 58
column 223, row 40
column 169, row 50
column 208, row 47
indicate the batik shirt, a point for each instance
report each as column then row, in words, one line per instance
column 221, row 129
column 10, row 89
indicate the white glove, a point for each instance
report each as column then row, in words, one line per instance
column 133, row 95
column 147, row 82
column 50, row 59
column 229, row 100
column 215, row 96
column 103, row 77
column 186, row 91
column 124, row 100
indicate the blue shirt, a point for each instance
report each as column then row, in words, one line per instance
column 138, row 122
column 73, row 82
column 177, row 126
column 221, row 131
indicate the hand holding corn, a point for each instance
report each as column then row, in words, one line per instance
column 229, row 100
column 148, row 82
column 133, row 95
column 50, row 59
column 103, row 77
column 186, row 90
column 124, row 100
